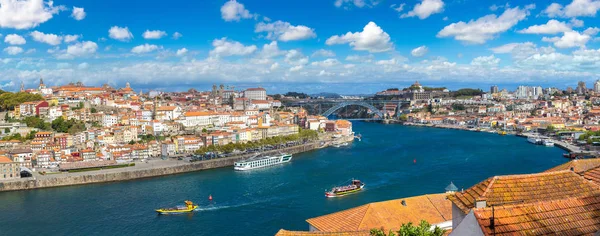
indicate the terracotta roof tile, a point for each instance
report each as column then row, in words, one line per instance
column 391, row 214
column 525, row 188
column 283, row 232
column 570, row 216
column 579, row 165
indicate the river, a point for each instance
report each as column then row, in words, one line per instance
column 260, row 202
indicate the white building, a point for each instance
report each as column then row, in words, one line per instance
column 255, row 94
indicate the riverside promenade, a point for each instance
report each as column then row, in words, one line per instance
column 151, row 168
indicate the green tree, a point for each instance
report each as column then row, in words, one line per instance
column 423, row 229
column 6, row 130
column 93, row 110
column 403, row 117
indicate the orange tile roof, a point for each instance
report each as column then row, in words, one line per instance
column 4, row 159
column 283, row 232
column 570, row 216
column 579, row 165
column 434, row 208
column 525, row 188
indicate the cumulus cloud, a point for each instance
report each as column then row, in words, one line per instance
column 71, row 38
column 574, row 9
column 420, row 51
column 551, row 27
column 425, row 9
column 485, row 61
column 51, row 39
column 177, row 35
column 234, row 11
column 326, row 63
column 372, row 39
column 12, row 50
column 485, row 28
column 284, row 31
column 154, row 34
column 26, row 14
column 81, row 49
column 144, row 48
column 83, row 65
column 269, row 51
column 224, row 48
column 569, row 39
column 78, row 13
column 120, row 33
column 521, row 51
column 182, row 52
column 296, row 68
column 323, row 53
column 14, row 39
column 295, row 57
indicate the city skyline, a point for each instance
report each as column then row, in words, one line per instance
column 283, row 45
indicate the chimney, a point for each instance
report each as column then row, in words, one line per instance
column 480, row 203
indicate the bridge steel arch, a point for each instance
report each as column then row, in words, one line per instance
column 350, row 103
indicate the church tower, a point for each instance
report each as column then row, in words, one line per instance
column 42, row 85
column 22, row 87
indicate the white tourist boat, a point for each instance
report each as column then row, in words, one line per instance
column 260, row 162
column 534, row 140
column 548, row 143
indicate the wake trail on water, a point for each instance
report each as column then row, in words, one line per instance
column 216, row 207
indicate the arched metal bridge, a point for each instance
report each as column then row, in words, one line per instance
column 338, row 106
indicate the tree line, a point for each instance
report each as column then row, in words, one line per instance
column 9, row 100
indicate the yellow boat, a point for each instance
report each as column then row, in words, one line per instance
column 189, row 207
column 502, row 132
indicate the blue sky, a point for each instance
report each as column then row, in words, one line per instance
column 346, row 46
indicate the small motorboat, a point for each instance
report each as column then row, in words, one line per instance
column 354, row 187
column 189, row 207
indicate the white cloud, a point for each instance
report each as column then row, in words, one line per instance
column 234, row 11
column 120, row 33
column 591, row 31
column 392, row 61
column 295, row 57
column 346, row 4
column 177, row 35
column 372, row 39
column 269, row 51
column 420, row 51
column 485, row 28
column 144, row 48
column 71, row 38
column 296, row 68
column 569, row 39
column 51, row 39
column 576, row 23
column 575, row 9
column 398, row 7
column 225, row 48
column 521, row 51
column 359, row 58
column 154, row 34
column 14, row 39
column 425, row 9
column 323, row 53
column 26, row 14
column 284, row 31
column 553, row 10
column 325, row 73
column 274, row 66
column 12, row 50
column 326, row 63
column 30, row 51
column 83, row 65
column 551, row 27
column 78, row 13
column 182, row 52
column 485, row 61
column 81, row 49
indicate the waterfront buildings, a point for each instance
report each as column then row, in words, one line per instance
column 255, row 94
column 9, row 169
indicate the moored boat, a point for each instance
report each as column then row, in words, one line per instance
column 502, row 132
column 260, row 162
column 548, row 143
column 354, row 187
column 534, row 140
column 189, row 207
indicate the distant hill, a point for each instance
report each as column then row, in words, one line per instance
column 326, row 95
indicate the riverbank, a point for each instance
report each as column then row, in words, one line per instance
column 561, row 144
column 152, row 168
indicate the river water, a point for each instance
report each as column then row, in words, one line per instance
column 260, row 202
